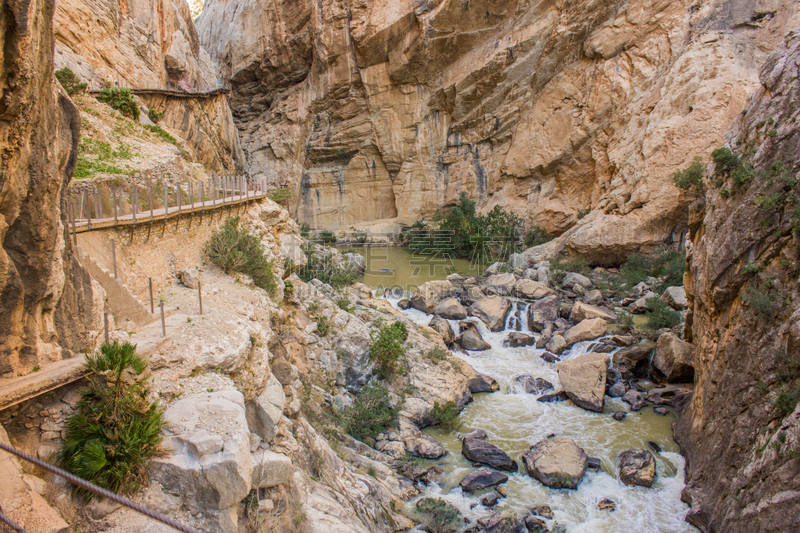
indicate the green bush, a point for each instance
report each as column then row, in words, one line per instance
column 324, row 326
column 461, row 232
column 115, row 429
column 436, row 354
column 660, row 315
column 388, row 348
column 438, row 516
column 325, row 270
column 536, row 235
column 786, row 400
column 665, row 263
column 327, row 237
column 691, row 180
column 344, row 304
column 305, row 230
column 281, row 196
column 728, row 163
column 154, row 115
column 445, row 414
column 234, row 249
column 121, row 100
column 95, row 157
column 625, row 321
column 70, row 81
column 371, row 414
column 759, row 299
column 163, row 135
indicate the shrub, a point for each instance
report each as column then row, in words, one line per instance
column 327, row 237
column 163, row 135
column 325, row 270
column 758, row 299
column 324, row 326
column 436, row 354
column 583, row 212
column 344, row 304
column 281, row 196
column 234, row 249
column 388, row 348
column 536, row 235
column 95, row 157
column 121, row 100
column 154, row 115
column 660, row 315
column 115, row 429
column 665, row 263
column 691, row 180
column 786, row 400
column 305, row 230
column 730, row 164
column 625, row 321
column 70, row 81
column 438, row 516
column 288, row 288
column 371, row 414
column 445, row 414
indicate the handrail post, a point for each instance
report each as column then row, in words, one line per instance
column 178, row 192
column 151, row 200
column 166, row 200
column 114, row 197
column 133, row 202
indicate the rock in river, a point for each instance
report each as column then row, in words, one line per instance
column 585, row 330
column 480, row 451
column 584, row 380
column 556, row 462
column 451, row 309
column 492, row 310
column 430, row 293
column 637, row 467
column 482, row 478
column 516, row 340
column 471, row 340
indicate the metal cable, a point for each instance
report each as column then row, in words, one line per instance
column 97, row 490
column 10, row 523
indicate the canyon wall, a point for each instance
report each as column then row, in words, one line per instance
column 145, row 44
column 369, row 109
column 47, row 302
column 741, row 428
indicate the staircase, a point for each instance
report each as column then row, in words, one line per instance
column 121, row 303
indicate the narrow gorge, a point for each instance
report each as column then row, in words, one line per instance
column 366, row 266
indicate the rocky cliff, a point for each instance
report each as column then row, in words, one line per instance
column 372, row 109
column 741, row 429
column 46, row 299
column 143, row 44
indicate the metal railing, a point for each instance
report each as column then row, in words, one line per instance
column 89, row 206
column 75, row 480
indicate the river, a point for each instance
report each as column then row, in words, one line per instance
column 515, row 420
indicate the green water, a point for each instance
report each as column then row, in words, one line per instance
column 408, row 270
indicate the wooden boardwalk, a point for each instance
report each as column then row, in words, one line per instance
column 81, row 225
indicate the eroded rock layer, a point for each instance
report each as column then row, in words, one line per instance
column 741, row 429
column 46, row 299
column 369, row 109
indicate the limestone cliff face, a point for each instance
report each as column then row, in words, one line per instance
column 46, row 299
column 370, row 109
column 741, row 437
column 147, row 44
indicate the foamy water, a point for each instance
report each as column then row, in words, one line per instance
column 515, row 421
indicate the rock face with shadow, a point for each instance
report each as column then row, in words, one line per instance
column 48, row 305
column 741, row 428
column 372, row 110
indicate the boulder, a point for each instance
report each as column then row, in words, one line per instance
column 593, row 297
column 207, row 460
column 502, row 522
column 482, row 383
column 618, row 389
column 531, row 273
column 531, row 290
column 270, row 469
column 480, row 451
column 640, row 306
column 556, row 345
column 543, row 275
column 472, row 434
column 542, row 312
column 585, row 330
column 519, row 261
column 443, row 327
column 542, row 509
column 264, row 414
column 584, row 380
column 501, row 284
column 548, row 357
column 674, row 359
column 607, row 504
column 573, row 278
column 675, row 297
column 472, row 294
column 490, row 500
column 355, row 262
column 342, row 402
column 492, row 310
column 430, row 293
column 530, row 385
column 494, row 268
column 559, row 396
column 637, row 467
column 188, row 278
column 583, row 311
column 451, row 309
column 424, row 446
column 482, row 478
column 634, row 398
column 534, row 524
column 516, row 340
column 404, row 304
column 472, row 341
column 619, row 416
column 633, row 361
column 556, row 462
